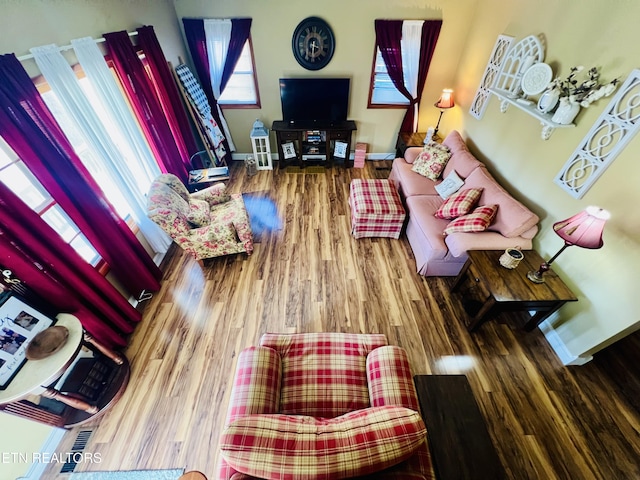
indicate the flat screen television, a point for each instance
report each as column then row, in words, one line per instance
column 314, row 100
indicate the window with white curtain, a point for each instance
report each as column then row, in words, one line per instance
column 242, row 88
column 382, row 91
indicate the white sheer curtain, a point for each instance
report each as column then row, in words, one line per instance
column 410, row 44
column 124, row 170
column 218, row 35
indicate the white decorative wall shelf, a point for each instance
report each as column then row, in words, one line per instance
column 522, row 55
column 615, row 127
column 491, row 71
column 529, row 107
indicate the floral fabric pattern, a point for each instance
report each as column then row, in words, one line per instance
column 223, row 228
column 431, row 161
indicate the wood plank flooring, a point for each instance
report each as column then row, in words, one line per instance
column 308, row 274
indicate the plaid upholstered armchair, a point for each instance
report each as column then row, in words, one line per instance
column 324, row 406
column 208, row 223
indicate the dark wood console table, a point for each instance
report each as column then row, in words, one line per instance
column 314, row 143
column 503, row 289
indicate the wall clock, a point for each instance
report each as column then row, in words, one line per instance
column 313, row 43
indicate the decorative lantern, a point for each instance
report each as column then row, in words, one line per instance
column 261, row 146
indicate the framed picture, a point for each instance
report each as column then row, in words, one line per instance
column 340, row 150
column 19, row 323
column 288, row 150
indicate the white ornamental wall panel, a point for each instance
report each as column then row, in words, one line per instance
column 499, row 53
column 615, row 127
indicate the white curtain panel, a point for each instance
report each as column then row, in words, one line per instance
column 218, row 34
column 410, row 44
column 63, row 82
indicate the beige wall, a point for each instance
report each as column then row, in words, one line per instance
column 29, row 23
column 352, row 22
column 597, row 33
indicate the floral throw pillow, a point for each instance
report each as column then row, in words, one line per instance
column 459, row 204
column 199, row 214
column 431, row 161
column 477, row 221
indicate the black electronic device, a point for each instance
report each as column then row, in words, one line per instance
column 314, row 101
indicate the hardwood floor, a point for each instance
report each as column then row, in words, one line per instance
column 308, row 274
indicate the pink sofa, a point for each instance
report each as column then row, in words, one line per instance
column 439, row 255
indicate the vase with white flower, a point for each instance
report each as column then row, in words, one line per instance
column 574, row 93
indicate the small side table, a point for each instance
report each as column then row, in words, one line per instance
column 409, row 139
column 37, row 376
column 510, row 290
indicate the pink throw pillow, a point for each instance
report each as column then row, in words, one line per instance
column 477, row 221
column 459, row 204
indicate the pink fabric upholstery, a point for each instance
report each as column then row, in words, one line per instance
column 439, row 255
column 337, row 378
column 376, row 208
column 223, row 230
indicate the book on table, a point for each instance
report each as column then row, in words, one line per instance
column 209, row 174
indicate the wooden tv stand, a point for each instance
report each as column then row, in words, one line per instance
column 314, row 143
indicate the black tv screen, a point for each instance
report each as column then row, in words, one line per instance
column 317, row 100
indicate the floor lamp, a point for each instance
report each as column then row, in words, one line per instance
column 583, row 230
column 444, row 102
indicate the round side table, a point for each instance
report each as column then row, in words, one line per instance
column 193, row 475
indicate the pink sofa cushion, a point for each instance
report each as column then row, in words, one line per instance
column 301, row 447
column 323, row 374
column 462, row 160
column 422, row 208
column 513, row 218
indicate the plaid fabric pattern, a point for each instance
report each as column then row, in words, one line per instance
column 297, row 447
column 459, row 204
column 477, row 221
column 390, row 378
column 323, row 374
column 376, row 208
column 257, row 383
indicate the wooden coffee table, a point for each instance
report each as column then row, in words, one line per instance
column 510, row 290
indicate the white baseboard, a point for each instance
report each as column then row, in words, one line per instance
column 48, row 448
column 563, row 353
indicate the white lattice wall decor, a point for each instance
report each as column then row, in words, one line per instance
column 615, row 127
column 481, row 99
column 522, row 55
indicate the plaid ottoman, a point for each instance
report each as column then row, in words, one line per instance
column 376, row 208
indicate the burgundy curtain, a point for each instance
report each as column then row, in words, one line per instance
column 169, row 95
column 141, row 94
column 30, row 129
column 430, row 34
column 197, row 42
column 240, row 29
column 388, row 37
column 53, row 270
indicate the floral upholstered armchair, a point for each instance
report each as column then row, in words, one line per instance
column 324, row 406
column 206, row 224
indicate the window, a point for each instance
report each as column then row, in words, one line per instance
column 84, row 151
column 17, row 177
column 242, row 88
column 383, row 93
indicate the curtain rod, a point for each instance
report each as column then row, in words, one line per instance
column 69, row 47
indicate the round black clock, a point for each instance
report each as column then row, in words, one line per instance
column 313, row 43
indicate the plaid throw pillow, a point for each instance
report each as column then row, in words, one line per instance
column 459, row 204
column 305, row 448
column 431, row 161
column 477, row 221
